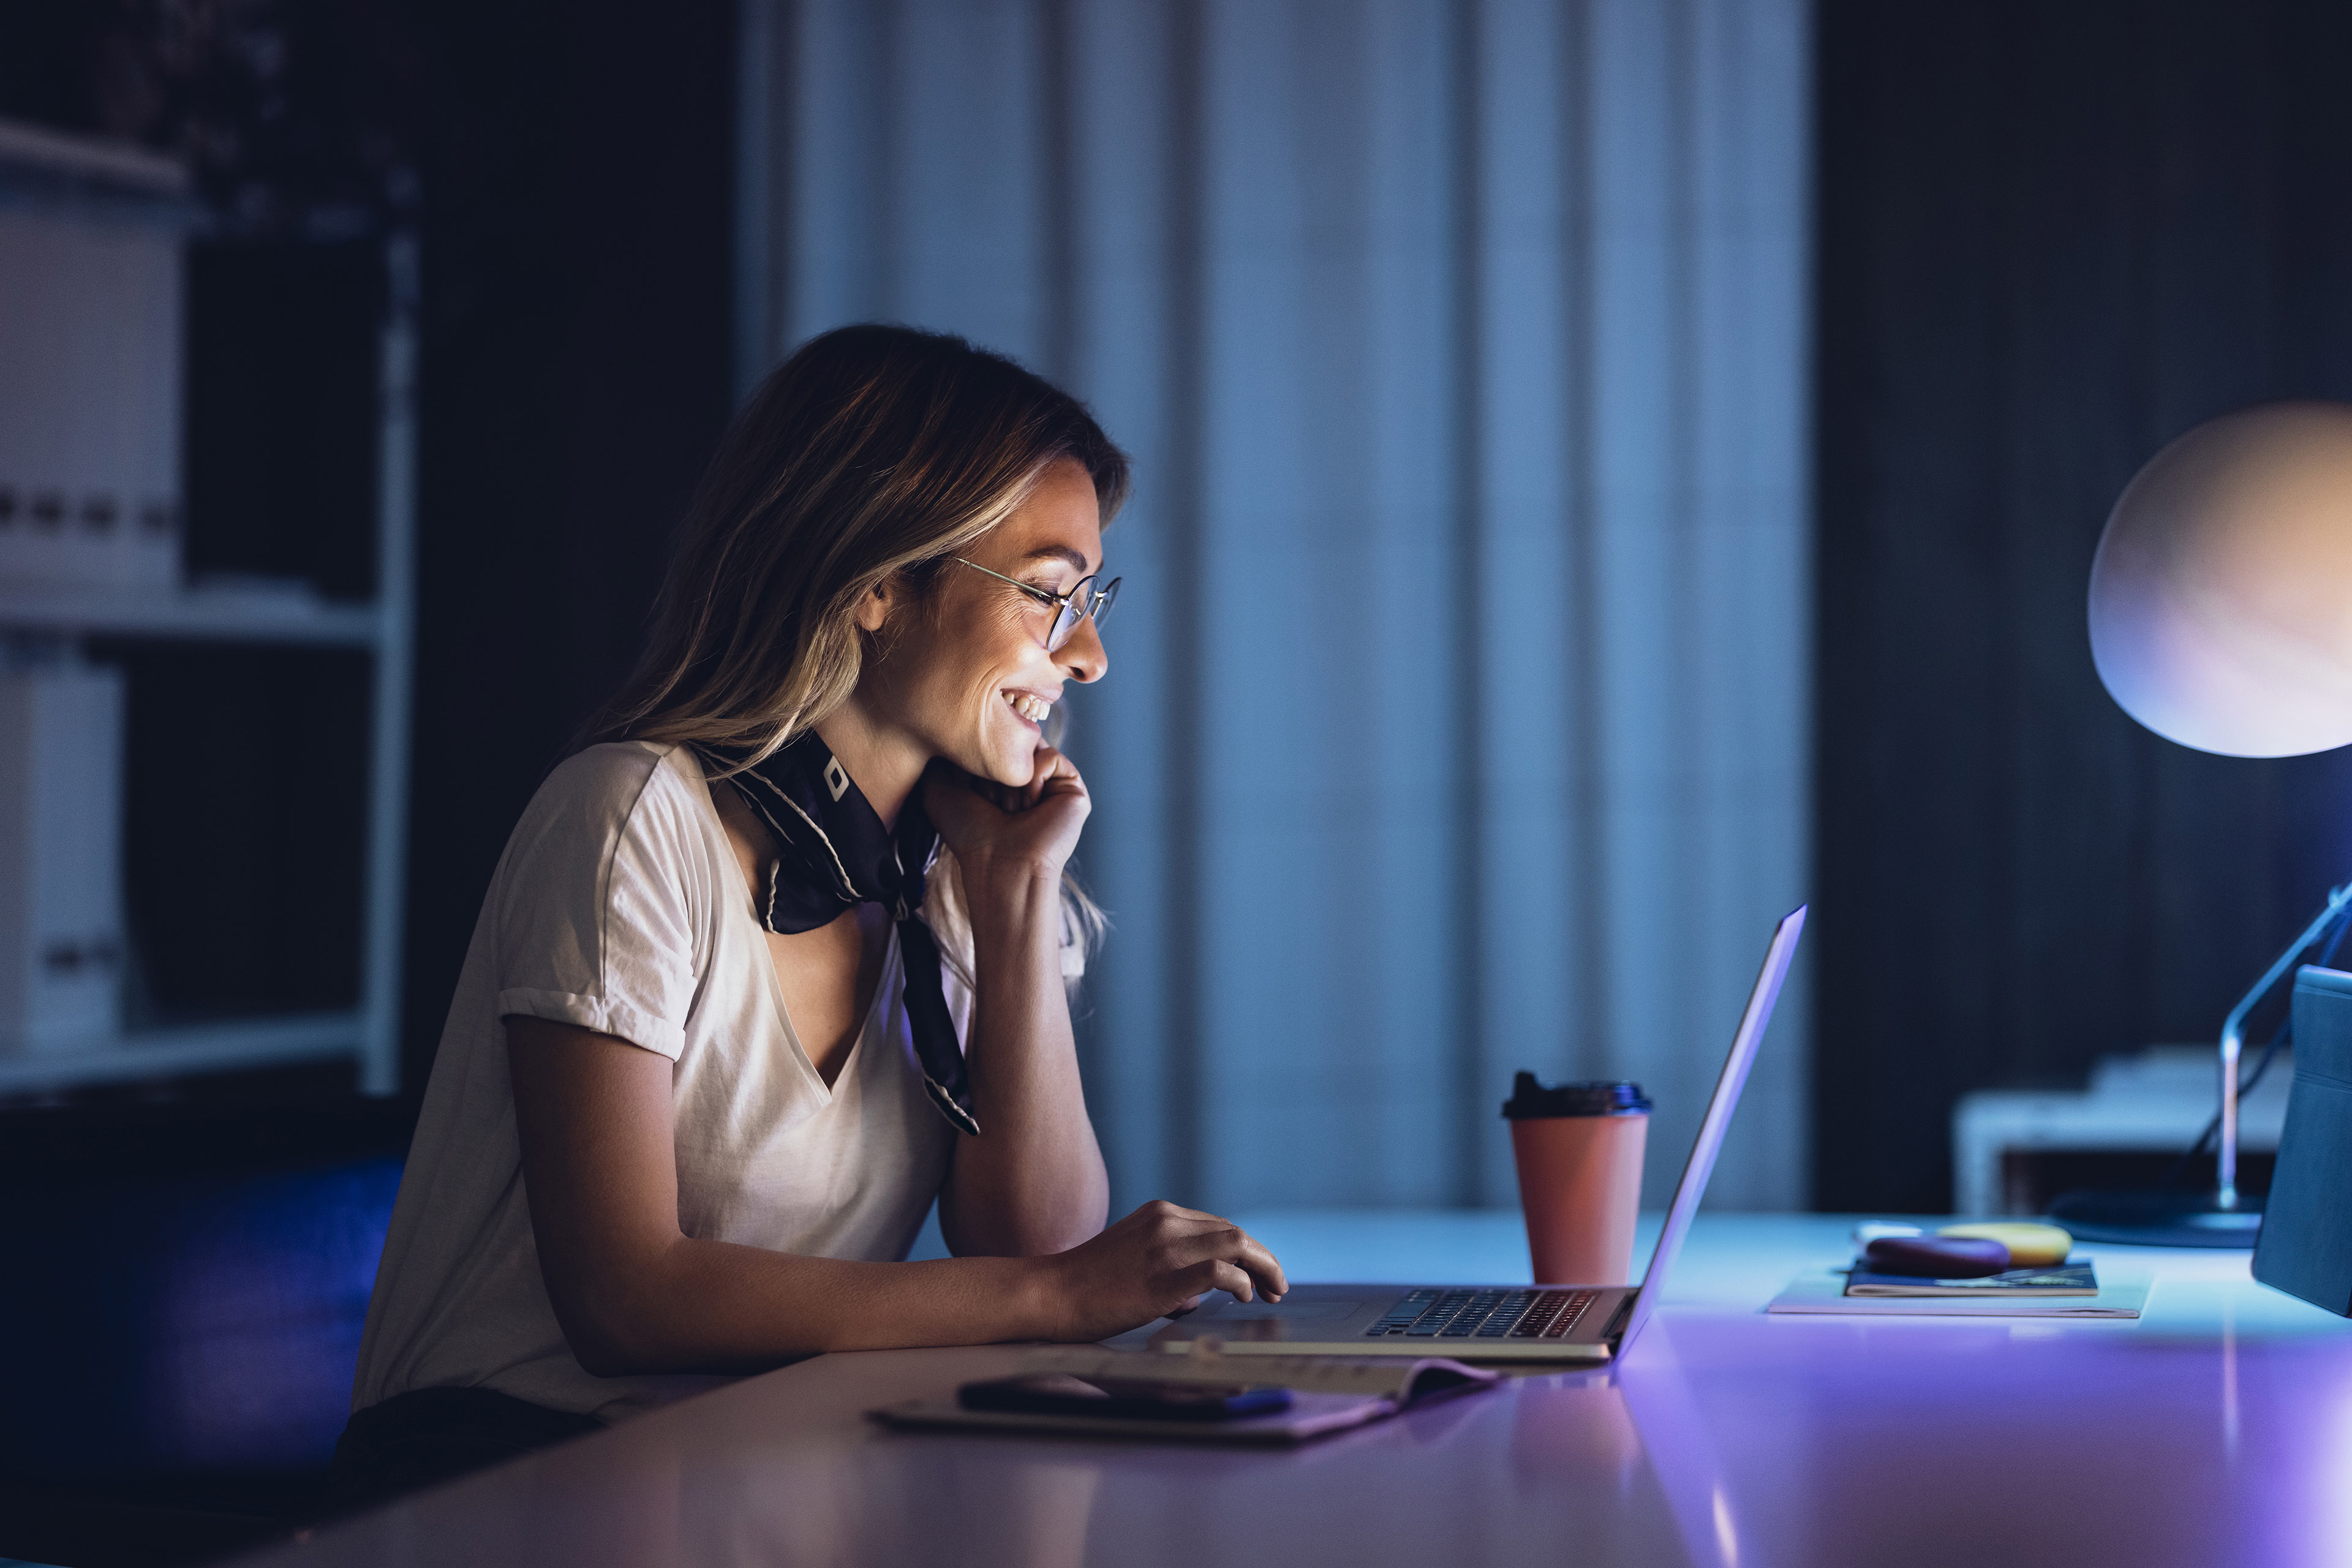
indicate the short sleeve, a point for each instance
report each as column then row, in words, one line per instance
column 594, row 910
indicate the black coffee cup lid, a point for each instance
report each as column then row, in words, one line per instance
column 1594, row 1098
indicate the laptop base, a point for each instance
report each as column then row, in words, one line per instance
column 1378, row 1321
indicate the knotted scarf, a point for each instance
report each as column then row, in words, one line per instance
column 832, row 854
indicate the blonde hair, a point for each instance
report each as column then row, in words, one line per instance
column 874, row 452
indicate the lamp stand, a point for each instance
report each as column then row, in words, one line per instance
column 2223, row 1216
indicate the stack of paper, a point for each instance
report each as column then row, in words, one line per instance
column 2070, row 1292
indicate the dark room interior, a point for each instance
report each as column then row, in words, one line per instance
column 2019, row 250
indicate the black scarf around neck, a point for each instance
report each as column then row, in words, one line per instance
column 834, row 854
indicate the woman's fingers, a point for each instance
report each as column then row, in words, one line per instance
column 1265, row 1268
column 1234, row 1281
column 1242, row 1264
column 1214, row 1274
column 1256, row 1264
column 1049, row 767
column 1241, row 1247
column 1162, row 1260
column 1055, row 775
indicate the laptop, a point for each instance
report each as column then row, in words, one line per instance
column 1506, row 1323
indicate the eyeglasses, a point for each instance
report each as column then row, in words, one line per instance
column 1069, row 608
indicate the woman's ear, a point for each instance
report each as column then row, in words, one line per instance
column 879, row 601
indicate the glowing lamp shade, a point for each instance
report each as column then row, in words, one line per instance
column 2222, row 595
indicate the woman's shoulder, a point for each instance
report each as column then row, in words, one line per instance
column 615, row 783
column 611, row 765
column 605, row 893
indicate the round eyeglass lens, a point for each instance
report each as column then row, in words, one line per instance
column 1083, row 599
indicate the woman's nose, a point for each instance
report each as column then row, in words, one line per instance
column 1083, row 658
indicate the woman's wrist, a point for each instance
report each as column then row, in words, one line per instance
column 1044, row 1298
column 1010, row 887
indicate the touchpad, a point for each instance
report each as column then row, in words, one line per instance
column 1288, row 1314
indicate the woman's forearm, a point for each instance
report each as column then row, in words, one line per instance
column 593, row 1116
column 751, row 1307
column 675, row 1304
column 1032, row 1182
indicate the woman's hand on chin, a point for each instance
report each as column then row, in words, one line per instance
column 1157, row 1262
column 994, row 828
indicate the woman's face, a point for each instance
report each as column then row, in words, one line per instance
column 966, row 675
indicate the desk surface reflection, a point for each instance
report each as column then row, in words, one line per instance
column 2216, row 1430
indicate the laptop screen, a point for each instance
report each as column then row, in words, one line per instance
column 1701, row 1165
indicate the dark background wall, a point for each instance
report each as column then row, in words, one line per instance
column 578, row 188
column 2051, row 237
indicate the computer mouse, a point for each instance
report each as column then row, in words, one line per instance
column 1936, row 1257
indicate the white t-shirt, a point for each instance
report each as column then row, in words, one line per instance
column 619, row 905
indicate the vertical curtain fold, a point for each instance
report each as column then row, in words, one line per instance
column 1459, row 712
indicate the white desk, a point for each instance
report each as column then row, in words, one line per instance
column 2150, row 1103
column 2217, row 1430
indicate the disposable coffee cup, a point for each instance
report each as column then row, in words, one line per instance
column 1579, row 1148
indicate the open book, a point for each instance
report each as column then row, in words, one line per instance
column 1328, row 1393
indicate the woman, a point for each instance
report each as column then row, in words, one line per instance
column 729, row 1025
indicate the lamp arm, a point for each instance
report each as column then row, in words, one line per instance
column 2233, row 1040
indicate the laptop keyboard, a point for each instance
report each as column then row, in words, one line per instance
column 1496, row 1314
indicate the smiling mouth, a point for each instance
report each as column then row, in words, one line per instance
column 1033, row 709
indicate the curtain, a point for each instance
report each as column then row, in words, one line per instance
column 1459, row 712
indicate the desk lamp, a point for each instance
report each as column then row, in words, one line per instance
column 2221, row 619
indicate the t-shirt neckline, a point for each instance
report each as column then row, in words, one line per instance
column 883, row 982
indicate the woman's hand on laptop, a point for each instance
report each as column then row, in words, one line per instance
column 1157, row 1262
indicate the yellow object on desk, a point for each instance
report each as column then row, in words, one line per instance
column 2030, row 1245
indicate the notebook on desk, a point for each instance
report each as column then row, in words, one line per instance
column 1822, row 1293
column 1534, row 1323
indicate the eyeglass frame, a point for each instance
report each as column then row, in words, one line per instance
column 1098, row 602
